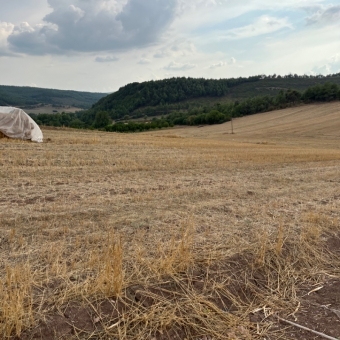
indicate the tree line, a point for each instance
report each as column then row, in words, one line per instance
column 200, row 115
column 24, row 96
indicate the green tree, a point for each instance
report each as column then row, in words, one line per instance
column 76, row 124
column 102, row 119
column 215, row 117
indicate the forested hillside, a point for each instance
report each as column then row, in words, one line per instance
column 32, row 96
column 163, row 96
column 162, row 92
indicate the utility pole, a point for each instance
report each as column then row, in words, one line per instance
column 232, row 127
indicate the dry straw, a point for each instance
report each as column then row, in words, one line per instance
column 95, row 227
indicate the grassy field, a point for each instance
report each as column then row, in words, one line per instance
column 188, row 233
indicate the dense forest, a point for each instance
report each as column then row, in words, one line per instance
column 22, row 96
column 210, row 113
column 168, row 91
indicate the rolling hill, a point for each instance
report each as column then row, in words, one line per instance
column 315, row 124
column 29, row 97
column 163, row 96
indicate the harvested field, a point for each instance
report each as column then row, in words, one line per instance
column 315, row 124
column 51, row 109
column 171, row 235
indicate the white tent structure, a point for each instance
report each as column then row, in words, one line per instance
column 16, row 123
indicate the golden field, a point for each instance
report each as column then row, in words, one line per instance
column 185, row 233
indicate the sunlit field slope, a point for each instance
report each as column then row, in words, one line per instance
column 318, row 122
column 188, row 233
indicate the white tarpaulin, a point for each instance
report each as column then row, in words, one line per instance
column 15, row 123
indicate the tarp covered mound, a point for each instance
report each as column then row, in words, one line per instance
column 16, row 123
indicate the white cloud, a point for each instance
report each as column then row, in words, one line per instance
column 107, row 59
column 176, row 48
column 219, row 64
column 263, row 25
column 6, row 29
column 223, row 63
column 174, row 66
column 22, row 28
column 331, row 65
column 301, row 52
column 144, row 61
column 195, row 14
column 183, row 47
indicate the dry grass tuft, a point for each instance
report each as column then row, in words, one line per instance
column 111, row 277
column 174, row 256
column 16, row 300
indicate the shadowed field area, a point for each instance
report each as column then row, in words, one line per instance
column 188, row 233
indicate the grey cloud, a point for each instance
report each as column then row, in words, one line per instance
column 324, row 15
column 173, row 66
column 107, row 59
column 26, row 39
column 5, row 53
column 160, row 54
column 142, row 19
column 95, row 25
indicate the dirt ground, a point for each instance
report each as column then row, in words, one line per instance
column 189, row 233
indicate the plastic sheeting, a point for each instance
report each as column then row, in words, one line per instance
column 16, row 123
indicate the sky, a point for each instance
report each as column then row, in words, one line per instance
column 102, row 45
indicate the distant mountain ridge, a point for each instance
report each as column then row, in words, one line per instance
column 24, row 96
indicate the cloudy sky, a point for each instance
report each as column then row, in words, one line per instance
column 101, row 45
